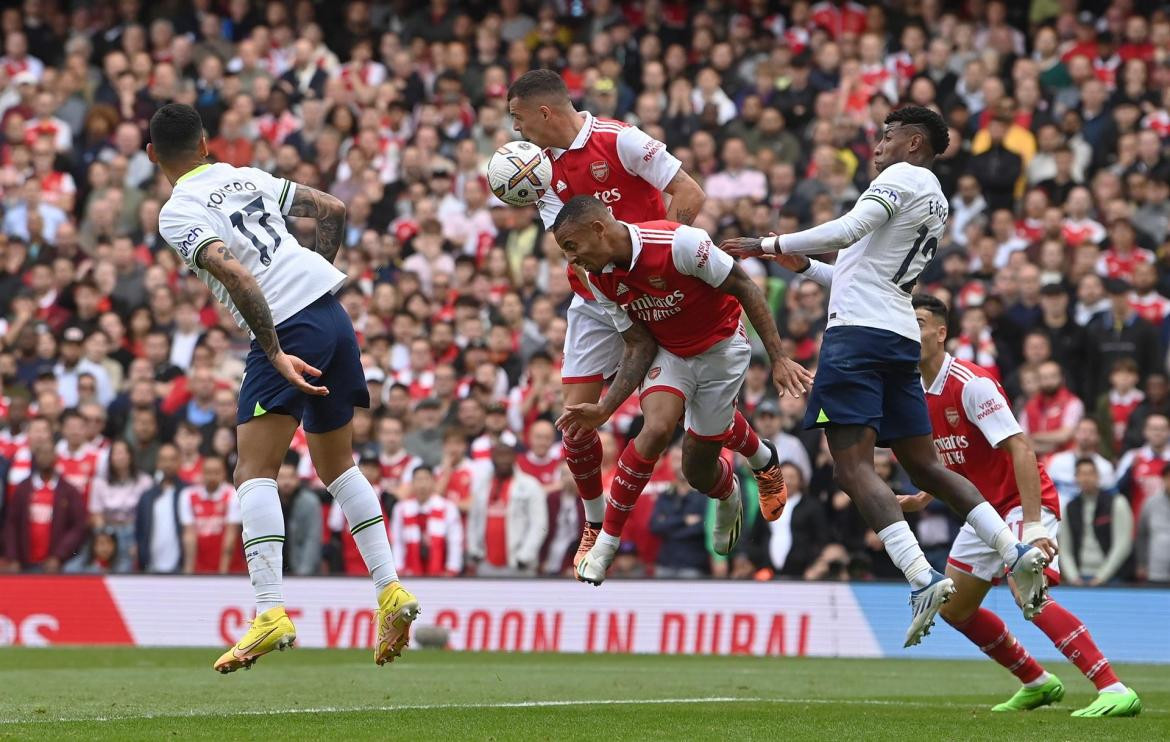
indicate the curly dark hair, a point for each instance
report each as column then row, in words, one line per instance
column 935, row 128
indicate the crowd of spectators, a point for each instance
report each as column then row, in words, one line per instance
column 120, row 371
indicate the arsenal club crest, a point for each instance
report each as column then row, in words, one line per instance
column 657, row 282
column 599, row 170
column 952, row 416
column 654, row 372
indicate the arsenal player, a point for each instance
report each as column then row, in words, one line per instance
column 629, row 172
column 977, row 436
column 686, row 345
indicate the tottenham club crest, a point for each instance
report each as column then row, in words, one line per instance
column 599, row 170
column 952, row 416
column 657, row 282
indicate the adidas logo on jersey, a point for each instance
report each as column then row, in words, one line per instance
column 561, row 185
column 622, row 288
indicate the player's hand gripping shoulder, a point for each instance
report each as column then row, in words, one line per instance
column 241, row 285
column 329, row 212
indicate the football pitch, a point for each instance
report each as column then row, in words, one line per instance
column 123, row 694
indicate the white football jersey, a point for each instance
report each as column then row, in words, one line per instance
column 872, row 279
column 244, row 208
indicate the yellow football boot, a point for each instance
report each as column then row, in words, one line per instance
column 397, row 609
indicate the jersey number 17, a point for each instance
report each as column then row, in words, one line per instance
column 249, row 213
column 928, row 248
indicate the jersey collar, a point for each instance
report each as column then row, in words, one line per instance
column 940, row 381
column 636, row 241
column 582, row 136
column 193, row 173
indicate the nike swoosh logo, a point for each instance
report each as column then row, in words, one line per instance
column 242, row 652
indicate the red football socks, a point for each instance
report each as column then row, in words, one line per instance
column 633, row 472
column 583, row 456
column 989, row 633
column 1071, row 637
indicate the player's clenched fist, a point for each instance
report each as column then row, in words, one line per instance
column 791, row 378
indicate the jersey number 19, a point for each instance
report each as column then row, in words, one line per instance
column 255, row 207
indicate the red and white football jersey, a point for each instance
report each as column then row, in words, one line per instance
column 1151, row 306
column 1121, row 407
column 621, row 165
column 79, row 467
column 969, row 417
column 840, row 18
column 1077, row 232
column 1114, row 264
column 210, row 513
column 397, row 469
column 671, row 287
column 1143, row 467
column 541, row 468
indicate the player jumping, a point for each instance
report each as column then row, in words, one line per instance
column 686, row 345
column 978, row 437
column 227, row 223
column 628, row 171
column 868, row 390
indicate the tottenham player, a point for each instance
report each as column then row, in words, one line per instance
column 977, row 436
column 629, row 172
column 677, row 302
column 227, row 224
column 868, row 388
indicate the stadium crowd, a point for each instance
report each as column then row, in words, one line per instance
column 120, row 371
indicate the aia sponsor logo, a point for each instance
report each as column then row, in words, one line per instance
column 599, row 170
column 952, row 416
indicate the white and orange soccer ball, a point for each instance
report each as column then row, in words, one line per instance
column 519, row 173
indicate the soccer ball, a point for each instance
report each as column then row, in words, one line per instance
column 519, row 173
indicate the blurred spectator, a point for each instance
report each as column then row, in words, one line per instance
column 113, row 501
column 158, row 530
column 426, row 530
column 1139, row 472
column 1096, row 532
column 565, row 514
column 44, row 519
column 508, row 518
column 1052, row 414
column 210, row 515
column 792, row 544
column 302, row 520
column 1152, row 545
column 678, row 520
column 1086, row 445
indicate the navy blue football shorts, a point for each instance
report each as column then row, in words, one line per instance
column 322, row 336
column 868, row 376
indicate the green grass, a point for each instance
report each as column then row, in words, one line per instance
column 125, row 694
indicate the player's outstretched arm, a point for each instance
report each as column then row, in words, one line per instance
column 636, row 360
column 814, row 270
column 329, row 212
column 866, row 215
column 241, row 286
column 790, row 377
column 686, row 198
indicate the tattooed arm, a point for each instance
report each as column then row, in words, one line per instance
column 686, row 198
column 636, row 360
column 329, row 212
column 788, row 375
column 245, row 293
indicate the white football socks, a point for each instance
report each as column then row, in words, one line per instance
column 363, row 512
column 760, row 458
column 263, row 537
column 594, row 509
column 906, row 554
column 993, row 531
column 1040, row 680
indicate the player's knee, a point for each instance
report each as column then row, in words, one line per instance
column 654, row 438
